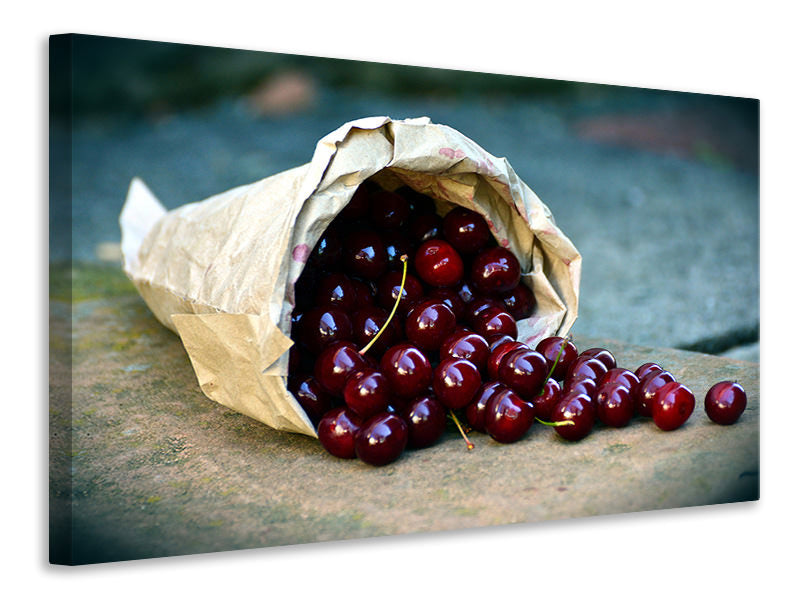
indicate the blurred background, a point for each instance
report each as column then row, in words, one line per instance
column 659, row 190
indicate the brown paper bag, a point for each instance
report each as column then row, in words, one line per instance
column 221, row 272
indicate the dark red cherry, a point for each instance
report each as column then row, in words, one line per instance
column 337, row 432
column 550, row 347
column 366, row 392
column 582, row 385
column 428, row 324
column 367, row 322
column 614, row 402
column 455, row 382
column 324, row 325
column 545, row 402
column 586, row 366
column 365, row 254
column 465, row 292
column 335, row 363
column 621, row 375
column 381, row 439
column 476, row 410
column 601, row 354
column 419, row 203
column 364, row 294
column 496, row 339
column 397, row 244
column 450, row 297
column 524, row 371
column 644, row 370
column 497, row 354
column 337, row 290
column 359, row 204
column 438, row 264
column 725, row 402
column 495, row 321
column 425, row 226
column 465, row 230
column 388, row 289
column 314, row 400
column 481, row 304
column 327, row 252
column 388, row 210
column 466, row 345
column 408, row 370
column 426, row 419
column 646, row 390
column 508, row 417
column 579, row 409
column 495, row 270
column 519, row 301
column 673, row 404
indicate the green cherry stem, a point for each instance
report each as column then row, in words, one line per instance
column 555, row 423
column 404, row 260
column 555, row 362
column 453, row 416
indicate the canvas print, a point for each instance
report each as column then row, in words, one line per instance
column 299, row 299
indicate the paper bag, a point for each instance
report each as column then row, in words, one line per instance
column 221, row 272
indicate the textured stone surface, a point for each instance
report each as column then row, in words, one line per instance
column 157, row 469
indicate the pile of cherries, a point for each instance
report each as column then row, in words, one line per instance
column 405, row 319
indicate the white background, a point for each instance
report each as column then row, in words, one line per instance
column 713, row 47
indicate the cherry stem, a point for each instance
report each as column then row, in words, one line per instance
column 555, row 423
column 453, row 416
column 404, row 260
column 555, row 363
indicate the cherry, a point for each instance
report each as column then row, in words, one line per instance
column 388, row 289
column 544, row 402
column 497, row 354
column 381, row 439
column 579, row 409
column 618, row 374
column 465, row 230
column 364, row 294
column 725, row 402
column 673, row 404
column 550, row 348
column 337, row 290
column 476, row 410
column 314, row 400
column 455, row 382
column 327, row 252
column 480, row 304
column 451, row 298
column 614, row 401
column 429, row 323
column 524, row 371
column 335, row 363
column 366, row 392
column 507, row 416
column 466, row 345
column 496, row 339
column 358, row 207
column 601, row 354
column 645, row 369
column 586, row 367
column 408, row 370
column 367, row 322
column 337, row 432
column 646, row 390
column 417, row 202
column 466, row 292
column 426, row 420
column 493, row 321
column 495, row 270
column 323, row 325
column 365, row 254
column 388, row 210
column 438, row 264
column 426, row 226
column 583, row 385
column 519, row 301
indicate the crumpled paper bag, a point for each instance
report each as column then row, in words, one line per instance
column 220, row 272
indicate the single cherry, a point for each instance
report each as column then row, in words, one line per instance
column 645, row 369
column 614, row 401
column 365, row 254
column 495, row 270
column 425, row 226
column 367, row 322
column 381, row 439
column 366, row 392
column 327, row 252
column 438, row 264
column 314, row 400
column 388, row 210
column 621, row 375
column 476, row 410
column 426, row 419
column 601, row 354
column 561, row 348
column 582, row 385
column 455, row 382
column 388, row 288
column 646, row 390
column 524, row 371
column 364, row 293
column 545, row 402
column 397, row 244
column 495, row 321
column 579, row 409
column 408, row 370
column 519, row 301
column 725, row 402
column 359, row 204
column 508, row 417
column 586, row 366
column 323, row 325
column 337, row 432
column 465, row 230
column 467, row 345
column 480, row 304
column 337, row 290
column 673, row 404
column 497, row 354
column 450, row 297
column 429, row 323
column 335, row 363
column 496, row 339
